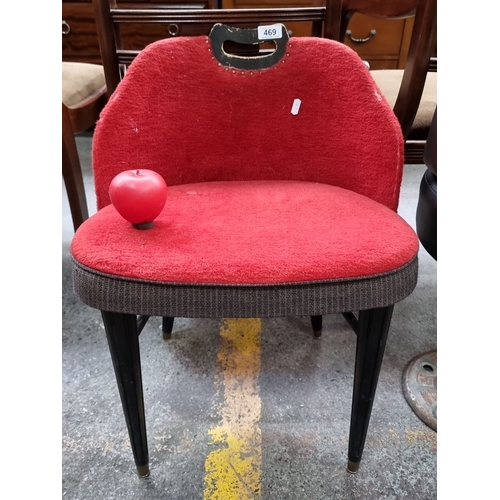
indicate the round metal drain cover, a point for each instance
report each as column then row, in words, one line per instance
column 420, row 387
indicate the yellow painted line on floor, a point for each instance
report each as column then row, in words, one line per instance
column 233, row 468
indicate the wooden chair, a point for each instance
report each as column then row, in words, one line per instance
column 83, row 98
column 411, row 92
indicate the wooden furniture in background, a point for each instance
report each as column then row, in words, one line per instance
column 79, row 32
column 384, row 44
column 413, row 91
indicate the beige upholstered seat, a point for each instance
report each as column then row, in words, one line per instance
column 81, row 81
column 389, row 82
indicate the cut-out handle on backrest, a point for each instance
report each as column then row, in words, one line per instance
column 222, row 33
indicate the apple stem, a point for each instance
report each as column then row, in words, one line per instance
column 137, row 172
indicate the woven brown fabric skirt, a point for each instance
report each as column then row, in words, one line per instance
column 117, row 294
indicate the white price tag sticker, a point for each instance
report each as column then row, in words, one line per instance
column 270, row 32
column 296, row 106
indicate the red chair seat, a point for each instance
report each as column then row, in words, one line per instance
column 252, row 232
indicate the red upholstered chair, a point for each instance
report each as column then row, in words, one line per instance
column 274, row 208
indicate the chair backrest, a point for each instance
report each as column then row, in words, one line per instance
column 418, row 61
column 181, row 112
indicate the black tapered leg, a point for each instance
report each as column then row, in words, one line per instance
column 123, row 341
column 317, row 325
column 373, row 326
column 167, row 326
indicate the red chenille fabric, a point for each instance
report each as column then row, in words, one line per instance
column 251, row 232
column 256, row 194
column 181, row 113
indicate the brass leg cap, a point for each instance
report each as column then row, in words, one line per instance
column 317, row 333
column 143, row 470
column 352, row 467
column 167, row 336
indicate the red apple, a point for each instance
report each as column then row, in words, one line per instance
column 138, row 196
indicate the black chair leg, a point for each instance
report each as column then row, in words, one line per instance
column 317, row 325
column 167, row 326
column 123, row 341
column 373, row 326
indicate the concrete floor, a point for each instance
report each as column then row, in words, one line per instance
column 301, row 401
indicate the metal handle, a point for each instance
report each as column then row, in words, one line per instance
column 173, row 29
column 361, row 40
column 65, row 28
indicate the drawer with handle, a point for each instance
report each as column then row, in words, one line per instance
column 376, row 39
column 79, row 32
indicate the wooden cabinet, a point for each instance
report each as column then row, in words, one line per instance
column 383, row 43
column 79, row 33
